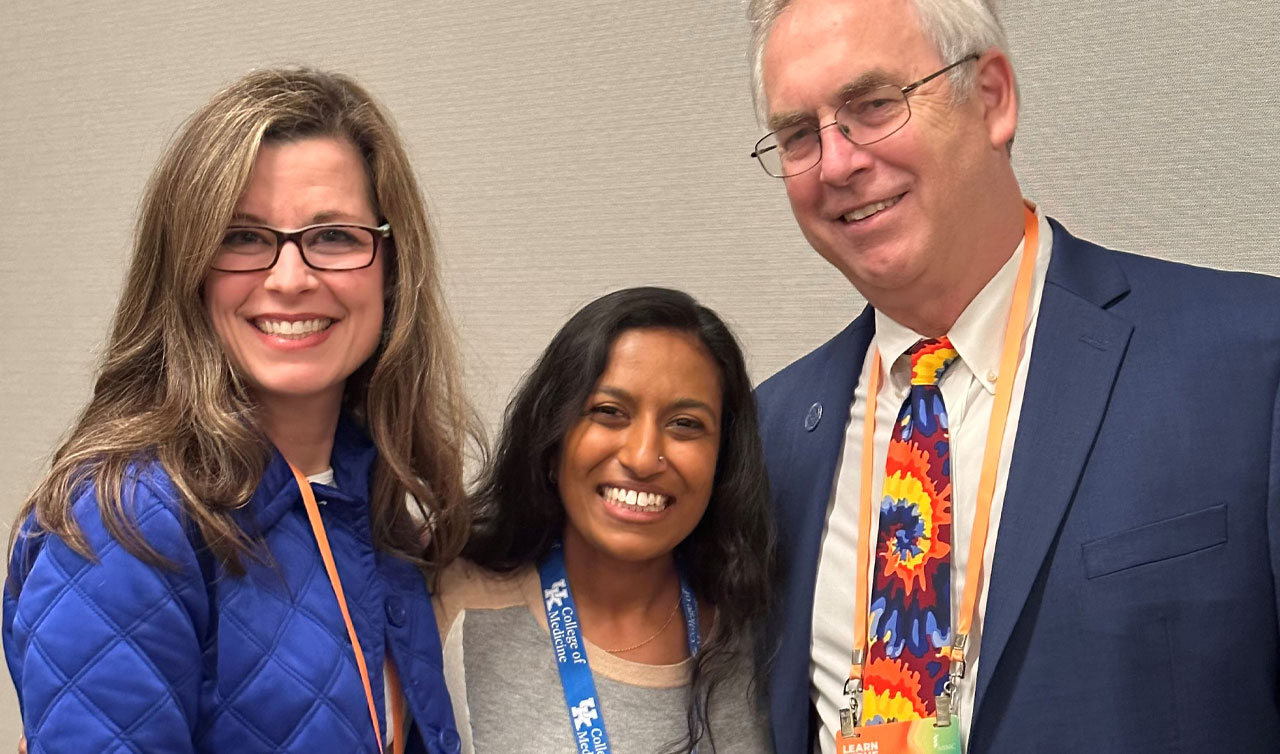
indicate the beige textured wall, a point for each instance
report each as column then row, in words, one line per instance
column 570, row 148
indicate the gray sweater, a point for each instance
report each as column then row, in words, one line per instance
column 506, row 691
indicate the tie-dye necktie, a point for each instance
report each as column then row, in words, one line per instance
column 910, row 621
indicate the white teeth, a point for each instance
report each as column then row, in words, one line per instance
column 862, row 213
column 636, row 500
column 292, row 329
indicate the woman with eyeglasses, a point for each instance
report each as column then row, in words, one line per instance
column 619, row 567
column 276, row 417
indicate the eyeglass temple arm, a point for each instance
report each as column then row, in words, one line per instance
column 909, row 88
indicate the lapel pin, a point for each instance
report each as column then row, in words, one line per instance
column 812, row 418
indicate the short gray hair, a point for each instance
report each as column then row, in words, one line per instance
column 956, row 28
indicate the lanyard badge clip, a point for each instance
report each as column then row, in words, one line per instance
column 949, row 700
column 851, row 715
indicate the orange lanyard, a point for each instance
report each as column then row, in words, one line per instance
column 986, row 487
column 394, row 700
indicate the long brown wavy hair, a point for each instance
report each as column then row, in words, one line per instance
column 166, row 392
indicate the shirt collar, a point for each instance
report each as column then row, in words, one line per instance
column 978, row 333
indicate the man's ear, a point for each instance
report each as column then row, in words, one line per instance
column 998, row 97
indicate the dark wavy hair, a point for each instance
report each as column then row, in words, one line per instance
column 728, row 558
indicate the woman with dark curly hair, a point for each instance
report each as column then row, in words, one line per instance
column 627, row 487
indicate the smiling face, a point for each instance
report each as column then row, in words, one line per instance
column 637, row 470
column 294, row 332
column 896, row 217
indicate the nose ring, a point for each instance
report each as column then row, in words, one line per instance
column 662, row 459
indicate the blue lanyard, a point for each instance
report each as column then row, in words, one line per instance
column 571, row 651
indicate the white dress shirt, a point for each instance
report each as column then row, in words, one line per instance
column 968, row 390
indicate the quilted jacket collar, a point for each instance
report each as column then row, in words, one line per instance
column 352, row 461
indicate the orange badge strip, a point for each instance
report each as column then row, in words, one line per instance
column 331, row 568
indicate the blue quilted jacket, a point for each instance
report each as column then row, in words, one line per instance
column 118, row 655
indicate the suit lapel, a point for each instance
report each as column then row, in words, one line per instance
column 1079, row 347
column 818, row 451
column 804, row 480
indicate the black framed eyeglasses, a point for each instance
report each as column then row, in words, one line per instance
column 863, row 119
column 253, row 248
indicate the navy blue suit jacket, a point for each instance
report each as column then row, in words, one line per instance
column 1133, row 595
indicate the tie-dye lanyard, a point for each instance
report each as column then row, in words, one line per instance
column 850, row 715
column 585, row 716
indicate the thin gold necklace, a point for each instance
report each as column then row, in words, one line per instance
column 656, row 634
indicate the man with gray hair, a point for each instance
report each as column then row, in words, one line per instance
column 1029, row 500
